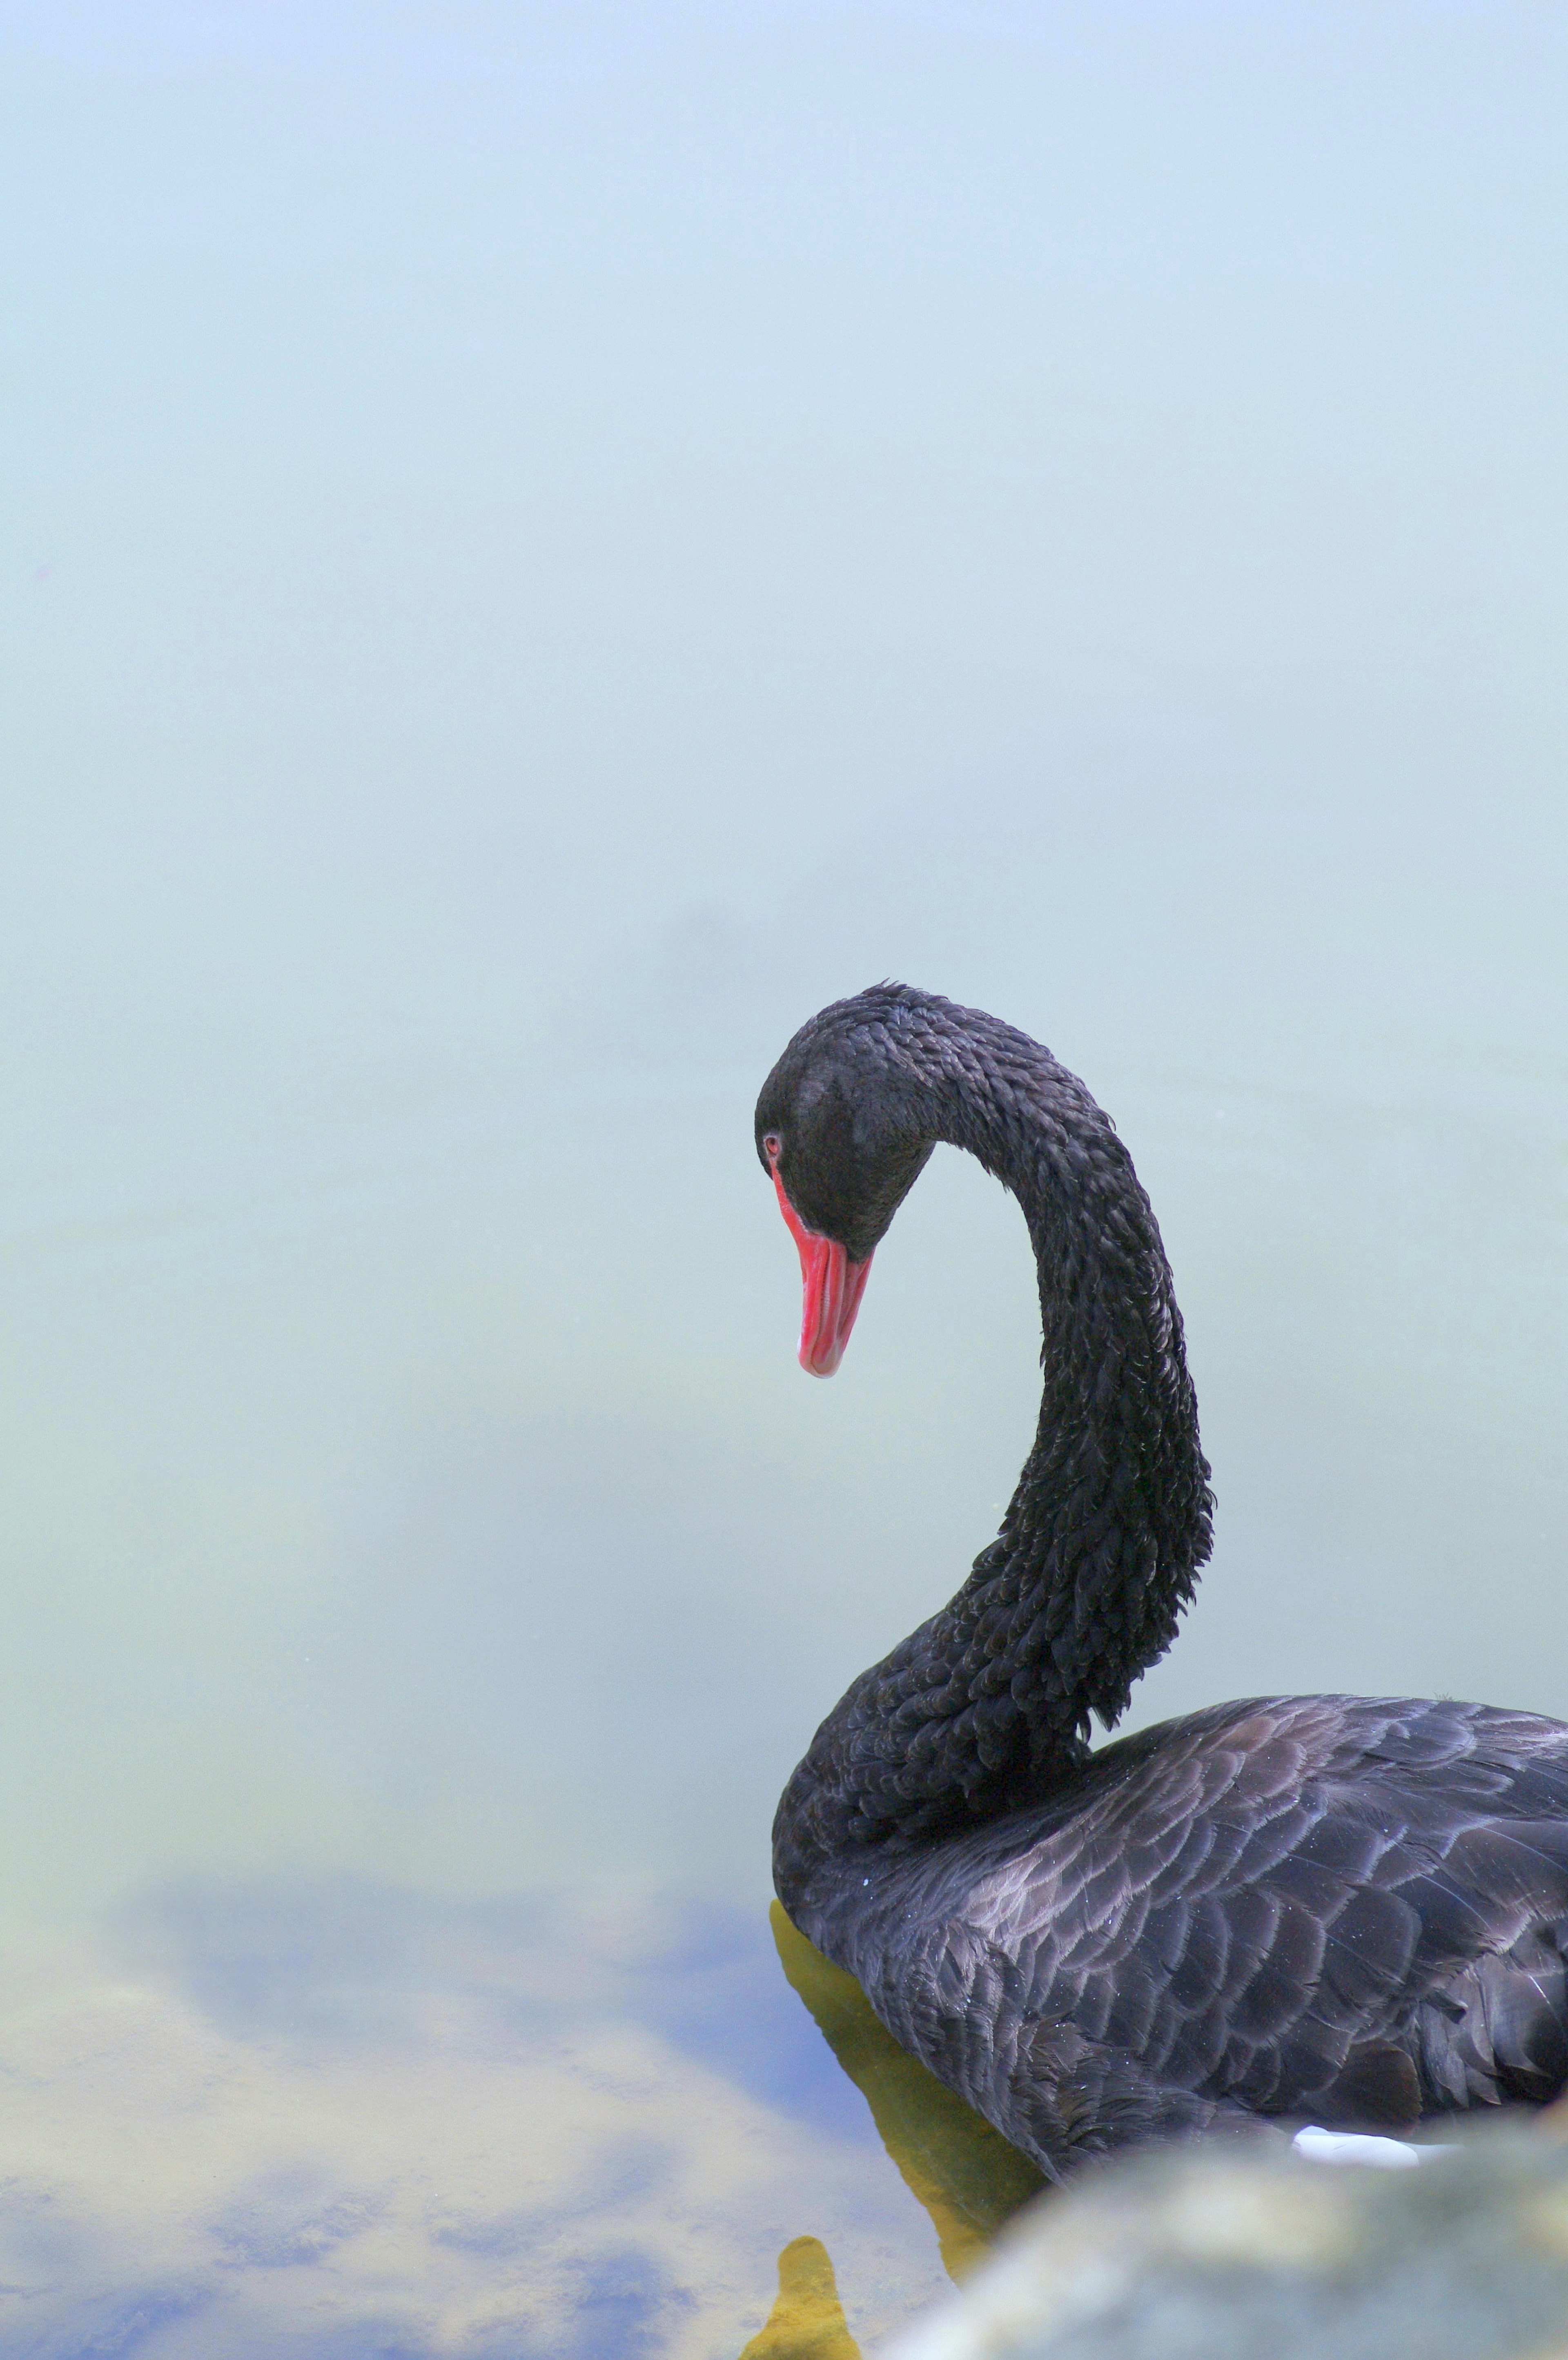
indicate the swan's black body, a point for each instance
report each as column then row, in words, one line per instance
column 1333, row 1908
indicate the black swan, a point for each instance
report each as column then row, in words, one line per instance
column 1342, row 1910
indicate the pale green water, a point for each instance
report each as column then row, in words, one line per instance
column 550, row 543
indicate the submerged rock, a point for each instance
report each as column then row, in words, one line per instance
column 1255, row 2254
column 807, row 2321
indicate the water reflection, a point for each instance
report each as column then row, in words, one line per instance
column 968, row 2177
column 962, row 2172
column 285, row 2115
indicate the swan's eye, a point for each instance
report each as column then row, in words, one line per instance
column 772, row 1147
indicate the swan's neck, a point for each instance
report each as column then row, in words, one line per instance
column 988, row 1705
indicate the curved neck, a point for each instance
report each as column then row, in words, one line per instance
column 987, row 1706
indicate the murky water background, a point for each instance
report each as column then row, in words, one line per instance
column 551, row 542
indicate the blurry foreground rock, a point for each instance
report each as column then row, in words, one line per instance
column 1262, row 2255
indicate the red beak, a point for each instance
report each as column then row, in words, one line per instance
column 834, row 1286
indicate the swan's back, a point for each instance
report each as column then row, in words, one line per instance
column 1347, row 1910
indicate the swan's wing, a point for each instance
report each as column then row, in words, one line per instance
column 1318, row 1907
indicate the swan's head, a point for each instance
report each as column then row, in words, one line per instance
column 836, row 1135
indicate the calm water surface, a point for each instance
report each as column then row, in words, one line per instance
column 554, row 542
column 330, row 2116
